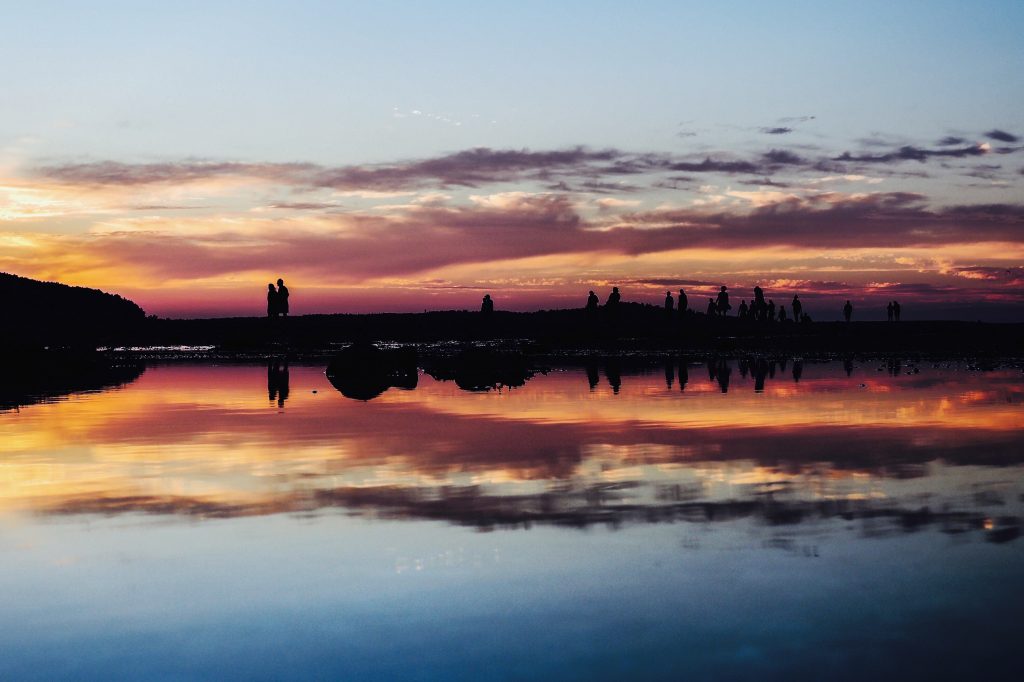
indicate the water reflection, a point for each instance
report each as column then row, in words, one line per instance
column 672, row 533
column 837, row 446
column 41, row 377
column 277, row 381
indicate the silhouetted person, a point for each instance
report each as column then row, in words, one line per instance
column 272, row 301
column 770, row 311
column 782, row 313
column 670, row 303
column 723, row 373
column 722, row 304
column 760, row 371
column 613, row 299
column 277, row 381
column 798, row 308
column 758, row 308
column 742, row 310
column 896, row 311
column 889, row 312
column 712, row 309
column 613, row 374
column 487, row 306
column 683, row 303
column 592, row 303
column 282, row 298
column 848, row 311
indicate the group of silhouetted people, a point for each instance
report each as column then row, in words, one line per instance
column 277, row 300
column 759, row 308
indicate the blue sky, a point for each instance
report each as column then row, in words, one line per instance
column 320, row 81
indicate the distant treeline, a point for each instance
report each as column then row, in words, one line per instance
column 49, row 313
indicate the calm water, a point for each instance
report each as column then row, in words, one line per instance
column 594, row 524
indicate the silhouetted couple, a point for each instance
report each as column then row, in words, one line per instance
column 892, row 311
column 487, row 306
column 277, row 299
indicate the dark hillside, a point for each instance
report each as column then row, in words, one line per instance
column 47, row 313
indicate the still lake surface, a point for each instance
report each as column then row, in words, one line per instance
column 820, row 521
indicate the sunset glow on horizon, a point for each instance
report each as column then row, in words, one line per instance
column 400, row 161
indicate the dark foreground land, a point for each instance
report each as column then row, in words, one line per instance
column 637, row 329
column 364, row 355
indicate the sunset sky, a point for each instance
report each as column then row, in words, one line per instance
column 401, row 157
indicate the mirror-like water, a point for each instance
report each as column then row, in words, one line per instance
column 693, row 521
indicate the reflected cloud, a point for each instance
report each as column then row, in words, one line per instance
column 886, row 449
column 609, row 504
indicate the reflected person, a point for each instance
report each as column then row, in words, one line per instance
column 277, row 381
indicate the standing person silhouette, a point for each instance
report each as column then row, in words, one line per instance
column 797, row 307
column 487, row 305
column 613, row 299
column 896, row 311
column 683, row 303
column 282, row 298
column 712, row 309
column 272, row 301
column 722, row 304
column 592, row 302
column 758, row 309
column 670, row 303
column 848, row 311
